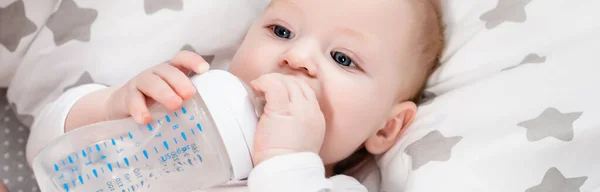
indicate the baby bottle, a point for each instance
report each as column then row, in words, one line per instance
column 207, row 142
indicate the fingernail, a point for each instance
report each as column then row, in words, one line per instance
column 202, row 68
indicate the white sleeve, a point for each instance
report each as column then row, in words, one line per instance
column 302, row 172
column 50, row 124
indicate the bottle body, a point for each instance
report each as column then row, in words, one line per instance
column 181, row 150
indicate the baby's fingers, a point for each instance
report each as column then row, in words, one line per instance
column 276, row 94
column 156, row 88
column 188, row 61
column 176, row 79
column 136, row 104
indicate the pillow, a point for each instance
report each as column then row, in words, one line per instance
column 110, row 41
column 514, row 105
column 18, row 27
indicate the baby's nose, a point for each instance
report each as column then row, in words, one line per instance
column 301, row 57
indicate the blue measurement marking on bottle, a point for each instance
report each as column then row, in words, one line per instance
column 193, row 133
column 97, row 147
column 109, row 167
column 130, row 135
column 56, row 167
column 155, row 150
column 168, row 118
column 95, row 173
column 70, row 159
column 73, row 182
column 88, row 176
column 199, row 126
column 102, row 169
column 183, row 136
column 63, row 162
column 113, row 142
column 80, row 179
column 136, row 159
column 190, row 162
column 183, row 110
column 66, row 186
column 159, row 122
column 105, row 145
column 200, row 157
column 149, row 127
column 121, row 138
column 175, row 140
column 176, row 115
column 166, row 145
column 145, row 154
column 126, row 161
column 83, row 153
column 77, row 156
column 118, row 165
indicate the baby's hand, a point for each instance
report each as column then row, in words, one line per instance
column 167, row 84
column 292, row 121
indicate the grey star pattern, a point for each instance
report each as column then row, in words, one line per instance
column 551, row 123
column 14, row 171
column 15, row 24
column 555, row 181
column 153, row 6
column 85, row 78
column 505, row 11
column 531, row 58
column 71, row 22
column 432, row 147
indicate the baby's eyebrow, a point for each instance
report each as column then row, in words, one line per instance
column 353, row 33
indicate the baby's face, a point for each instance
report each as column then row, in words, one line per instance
column 353, row 53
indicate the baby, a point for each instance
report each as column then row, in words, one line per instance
column 340, row 78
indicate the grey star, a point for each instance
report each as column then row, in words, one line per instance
column 551, row 123
column 153, row 6
column 555, row 181
column 532, row 58
column 506, row 10
column 427, row 98
column 16, row 25
column 432, row 147
column 70, row 22
column 85, row 78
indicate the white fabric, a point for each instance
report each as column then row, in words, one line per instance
column 300, row 172
column 51, row 122
column 10, row 59
column 125, row 37
column 497, row 128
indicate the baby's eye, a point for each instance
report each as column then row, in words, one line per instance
column 342, row 58
column 282, row 32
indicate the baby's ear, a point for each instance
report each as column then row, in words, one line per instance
column 401, row 116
